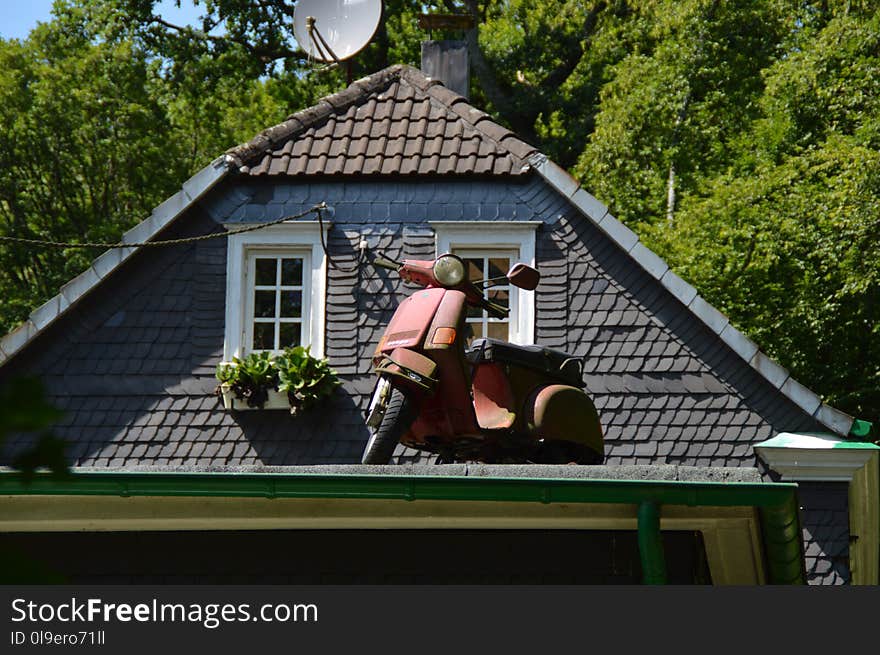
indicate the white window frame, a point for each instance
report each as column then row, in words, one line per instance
column 485, row 236
column 295, row 238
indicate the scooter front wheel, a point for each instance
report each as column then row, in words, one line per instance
column 399, row 415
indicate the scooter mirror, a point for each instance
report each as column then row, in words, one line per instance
column 524, row 277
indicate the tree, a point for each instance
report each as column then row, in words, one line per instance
column 25, row 412
column 94, row 133
column 674, row 107
column 785, row 240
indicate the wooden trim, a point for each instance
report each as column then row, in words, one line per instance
column 731, row 534
column 864, row 523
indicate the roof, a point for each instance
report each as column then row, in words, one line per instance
column 395, row 122
column 368, row 129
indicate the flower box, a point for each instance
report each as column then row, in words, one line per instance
column 276, row 400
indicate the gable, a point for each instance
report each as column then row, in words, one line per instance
column 133, row 364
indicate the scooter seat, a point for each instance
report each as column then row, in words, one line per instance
column 557, row 364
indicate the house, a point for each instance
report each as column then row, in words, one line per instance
column 129, row 349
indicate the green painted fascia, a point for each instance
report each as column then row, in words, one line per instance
column 856, row 445
column 776, row 502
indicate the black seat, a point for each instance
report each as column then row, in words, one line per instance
column 564, row 367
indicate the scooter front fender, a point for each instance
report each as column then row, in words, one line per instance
column 409, row 368
column 564, row 413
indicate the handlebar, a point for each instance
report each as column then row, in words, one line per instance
column 381, row 262
column 494, row 309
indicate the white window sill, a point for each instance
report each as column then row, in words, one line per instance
column 276, row 400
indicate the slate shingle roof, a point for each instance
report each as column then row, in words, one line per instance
column 395, row 122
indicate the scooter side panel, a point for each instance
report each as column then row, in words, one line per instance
column 449, row 412
column 493, row 398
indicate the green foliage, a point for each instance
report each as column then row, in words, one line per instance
column 25, row 410
column 250, row 378
column 304, row 378
column 785, row 239
column 95, row 131
column 679, row 103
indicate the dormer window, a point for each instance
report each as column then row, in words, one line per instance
column 275, row 288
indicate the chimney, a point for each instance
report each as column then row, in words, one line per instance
column 447, row 60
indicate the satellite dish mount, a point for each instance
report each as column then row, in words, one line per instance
column 325, row 51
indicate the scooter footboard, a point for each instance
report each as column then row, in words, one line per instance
column 408, row 367
column 563, row 413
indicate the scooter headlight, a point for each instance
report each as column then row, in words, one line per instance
column 449, row 270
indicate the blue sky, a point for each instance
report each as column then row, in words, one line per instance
column 18, row 17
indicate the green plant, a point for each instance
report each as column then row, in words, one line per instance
column 25, row 410
column 305, row 379
column 250, row 378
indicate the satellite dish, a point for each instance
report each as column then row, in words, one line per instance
column 334, row 30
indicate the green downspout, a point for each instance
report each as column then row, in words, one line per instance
column 651, row 544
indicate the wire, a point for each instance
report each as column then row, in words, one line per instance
column 317, row 209
column 171, row 242
column 360, row 259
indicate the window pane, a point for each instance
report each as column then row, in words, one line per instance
column 498, row 266
column 266, row 271
column 477, row 329
column 474, row 312
column 291, row 304
column 264, row 304
column 264, row 336
column 289, row 335
column 474, row 268
column 292, row 271
column 500, row 297
column 498, row 331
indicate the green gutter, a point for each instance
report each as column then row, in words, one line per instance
column 776, row 502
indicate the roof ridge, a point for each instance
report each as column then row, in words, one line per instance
column 306, row 118
column 436, row 92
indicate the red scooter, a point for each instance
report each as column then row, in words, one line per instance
column 494, row 402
